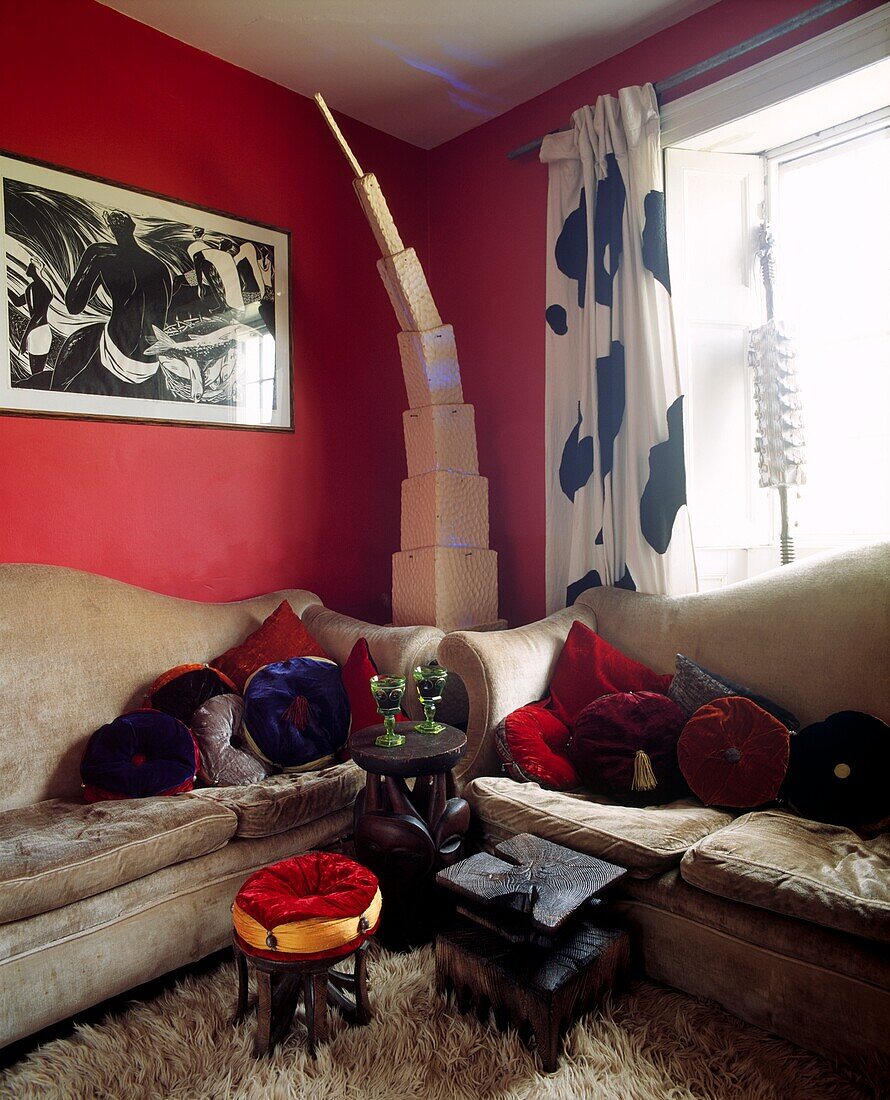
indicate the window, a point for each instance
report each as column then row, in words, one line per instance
column 832, row 224
column 823, row 196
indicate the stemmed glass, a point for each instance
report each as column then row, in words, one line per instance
column 388, row 692
column 430, row 680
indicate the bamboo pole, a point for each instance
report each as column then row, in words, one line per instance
column 338, row 134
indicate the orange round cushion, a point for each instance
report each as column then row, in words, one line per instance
column 734, row 753
column 311, row 906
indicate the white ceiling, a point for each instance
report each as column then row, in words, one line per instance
column 423, row 70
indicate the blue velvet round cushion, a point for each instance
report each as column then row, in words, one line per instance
column 296, row 713
column 143, row 753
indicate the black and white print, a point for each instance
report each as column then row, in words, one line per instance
column 616, row 477
column 124, row 304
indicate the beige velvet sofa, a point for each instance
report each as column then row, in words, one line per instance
column 785, row 922
column 95, row 900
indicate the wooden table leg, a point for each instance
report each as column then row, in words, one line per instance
column 263, row 1040
column 315, row 990
column 241, row 962
column 362, row 1001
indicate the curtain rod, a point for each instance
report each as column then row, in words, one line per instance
column 662, row 86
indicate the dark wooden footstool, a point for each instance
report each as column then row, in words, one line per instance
column 293, row 922
column 280, row 986
column 526, row 944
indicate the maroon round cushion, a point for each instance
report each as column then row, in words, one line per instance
column 625, row 746
column 533, row 744
column 734, row 753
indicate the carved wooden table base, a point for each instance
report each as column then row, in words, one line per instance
column 405, row 834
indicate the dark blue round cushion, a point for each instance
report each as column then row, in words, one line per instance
column 140, row 754
column 296, row 712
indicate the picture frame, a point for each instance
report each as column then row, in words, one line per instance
column 118, row 303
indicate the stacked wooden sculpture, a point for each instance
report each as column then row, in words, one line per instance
column 444, row 575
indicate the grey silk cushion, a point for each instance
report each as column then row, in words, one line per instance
column 283, row 802
column 56, row 852
column 216, row 726
column 800, row 868
column 645, row 839
column 693, row 686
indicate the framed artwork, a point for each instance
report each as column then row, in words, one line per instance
column 123, row 304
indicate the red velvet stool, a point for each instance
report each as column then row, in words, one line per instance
column 293, row 921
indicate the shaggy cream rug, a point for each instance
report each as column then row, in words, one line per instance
column 649, row 1044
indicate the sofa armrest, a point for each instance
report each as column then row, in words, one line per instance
column 395, row 650
column 503, row 670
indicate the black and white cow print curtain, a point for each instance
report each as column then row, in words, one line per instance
column 616, row 477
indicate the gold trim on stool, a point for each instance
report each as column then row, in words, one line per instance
column 306, row 937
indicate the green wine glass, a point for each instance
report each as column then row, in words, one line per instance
column 430, row 680
column 388, row 692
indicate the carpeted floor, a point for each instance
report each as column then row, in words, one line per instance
column 649, row 1044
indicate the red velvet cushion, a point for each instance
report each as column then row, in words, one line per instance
column 625, row 746
column 356, row 674
column 317, row 884
column 280, row 637
column 533, row 743
column 589, row 667
column 733, row 753
column 322, row 885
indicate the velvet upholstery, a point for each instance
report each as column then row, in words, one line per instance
column 318, row 884
column 645, row 839
column 839, row 771
column 143, row 753
column 779, row 861
column 56, row 852
column 734, row 753
column 533, row 743
column 814, row 636
column 296, row 713
column 589, row 667
column 284, row 802
column 281, row 636
column 180, row 691
column 92, row 651
column 615, row 735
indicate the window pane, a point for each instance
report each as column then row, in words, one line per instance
column 834, row 279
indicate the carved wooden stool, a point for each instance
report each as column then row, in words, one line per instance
column 293, row 921
column 280, row 984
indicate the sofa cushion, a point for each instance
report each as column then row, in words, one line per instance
column 281, row 636
column 181, row 690
column 296, row 713
column 821, row 873
column 624, row 746
column 647, row 840
column 216, row 727
column 283, row 802
column 533, row 744
column 57, row 852
column 589, row 667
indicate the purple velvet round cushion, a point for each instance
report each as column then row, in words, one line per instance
column 139, row 754
column 296, row 712
column 216, row 727
column 625, row 746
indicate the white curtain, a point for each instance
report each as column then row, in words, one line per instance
column 616, row 477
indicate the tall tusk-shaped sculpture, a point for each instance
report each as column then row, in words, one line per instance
column 444, row 574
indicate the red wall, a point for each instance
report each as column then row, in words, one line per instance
column 214, row 514
column 487, row 246
column 197, row 512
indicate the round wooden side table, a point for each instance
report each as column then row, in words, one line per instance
column 405, row 834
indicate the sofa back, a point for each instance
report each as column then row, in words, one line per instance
column 76, row 650
column 813, row 636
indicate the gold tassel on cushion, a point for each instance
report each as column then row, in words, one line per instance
column 644, row 777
